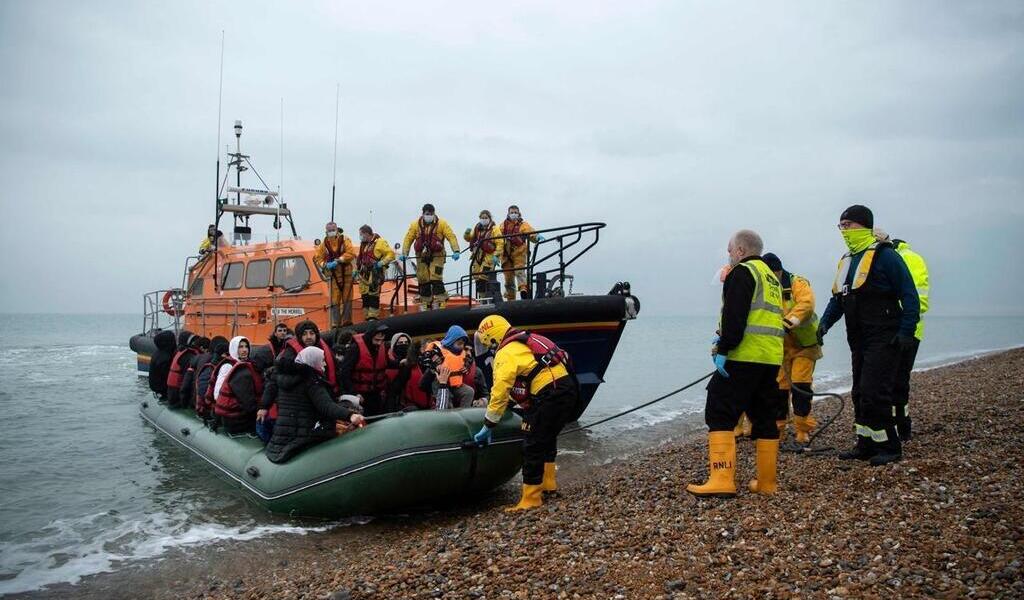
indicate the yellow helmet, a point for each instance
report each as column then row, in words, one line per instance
column 492, row 330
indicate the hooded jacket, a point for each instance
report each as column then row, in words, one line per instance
column 160, row 362
column 306, row 413
column 201, row 375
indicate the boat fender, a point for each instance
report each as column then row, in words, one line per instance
column 253, row 472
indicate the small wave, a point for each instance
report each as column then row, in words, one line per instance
column 70, row 549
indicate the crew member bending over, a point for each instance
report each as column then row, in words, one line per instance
column 533, row 372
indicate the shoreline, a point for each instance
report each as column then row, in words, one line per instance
column 628, row 528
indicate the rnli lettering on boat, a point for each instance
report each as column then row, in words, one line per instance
column 288, row 312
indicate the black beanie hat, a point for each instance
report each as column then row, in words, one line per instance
column 428, row 207
column 773, row 262
column 859, row 213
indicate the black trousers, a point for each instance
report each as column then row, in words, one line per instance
column 875, row 361
column 901, row 390
column 750, row 388
column 547, row 415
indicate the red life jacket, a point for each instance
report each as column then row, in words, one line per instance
column 205, row 406
column 200, row 404
column 227, row 404
column 470, row 378
column 510, row 227
column 481, row 239
column 331, row 253
column 428, row 239
column 175, row 375
column 330, row 373
column 413, row 394
column 370, row 373
column 545, row 352
column 367, row 257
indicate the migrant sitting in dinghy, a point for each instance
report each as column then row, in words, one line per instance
column 238, row 388
column 306, row 412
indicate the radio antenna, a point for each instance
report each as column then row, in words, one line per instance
column 334, row 182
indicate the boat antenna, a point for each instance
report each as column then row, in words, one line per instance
column 216, row 195
column 334, row 182
column 280, row 184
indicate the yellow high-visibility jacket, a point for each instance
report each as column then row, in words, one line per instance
column 512, row 361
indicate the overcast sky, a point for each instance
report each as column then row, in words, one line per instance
column 674, row 122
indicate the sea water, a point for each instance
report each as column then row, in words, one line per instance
column 88, row 487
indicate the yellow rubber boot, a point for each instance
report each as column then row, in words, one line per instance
column 721, row 467
column 767, row 462
column 549, row 484
column 804, row 426
column 532, row 498
column 782, row 429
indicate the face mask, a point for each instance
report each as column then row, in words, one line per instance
column 513, row 216
column 401, row 350
column 858, row 240
column 364, row 239
column 428, row 218
column 332, row 234
column 485, row 222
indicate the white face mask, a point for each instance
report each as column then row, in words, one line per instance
column 428, row 218
column 332, row 234
column 513, row 216
column 364, row 239
column 485, row 222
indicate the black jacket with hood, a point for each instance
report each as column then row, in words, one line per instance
column 160, row 362
column 306, row 413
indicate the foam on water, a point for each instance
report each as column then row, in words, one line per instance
column 67, row 550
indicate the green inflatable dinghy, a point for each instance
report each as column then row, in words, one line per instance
column 401, row 461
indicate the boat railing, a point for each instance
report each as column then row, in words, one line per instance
column 546, row 264
column 155, row 317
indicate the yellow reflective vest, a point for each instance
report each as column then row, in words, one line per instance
column 919, row 272
column 763, row 335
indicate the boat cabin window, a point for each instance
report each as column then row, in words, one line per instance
column 290, row 272
column 257, row 274
column 197, row 287
column 232, row 276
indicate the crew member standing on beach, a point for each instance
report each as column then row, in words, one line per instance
column 800, row 351
column 334, row 258
column 901, row 390
column 747, row 356
column 874, row 291
column 532, row 371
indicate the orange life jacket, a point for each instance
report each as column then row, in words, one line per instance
column 429, row 239
column 175, row 375
column 227, row 403
column 370, row 373
column 456, row 363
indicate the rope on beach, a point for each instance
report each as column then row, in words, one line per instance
column 809, row 448
column 636, row 408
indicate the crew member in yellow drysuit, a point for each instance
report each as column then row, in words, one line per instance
column 516, row 253
column 801, row 351
column 533, row 372
column 427, row 235
column 485, row 246
column 334, row 258
column 375, row 254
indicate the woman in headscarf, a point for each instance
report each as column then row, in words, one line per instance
column 238, row 388
column 306, row 412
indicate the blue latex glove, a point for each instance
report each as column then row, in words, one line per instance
column 379, row 265
column 497, row 262
column 715, row 340
column 719, row 360
column 483, row 437
column 402, row 257
column 456, row 255
column 331, row 264
column 540, row 238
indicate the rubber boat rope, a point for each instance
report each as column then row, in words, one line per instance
column 809, row 448
column 636, row 408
